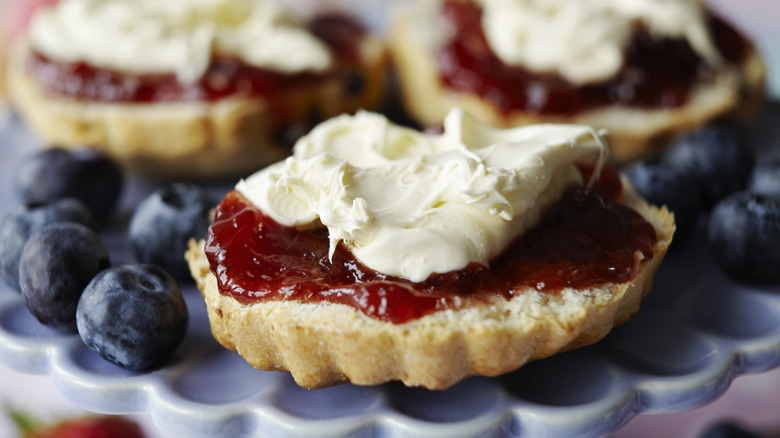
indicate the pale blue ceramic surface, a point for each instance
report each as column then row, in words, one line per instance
column 695, row 333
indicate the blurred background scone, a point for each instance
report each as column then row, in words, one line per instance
column 644, row 70
column 189, row 88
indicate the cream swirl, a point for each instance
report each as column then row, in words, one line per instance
column 410, row 204
column 176, row 36
column 584, row 40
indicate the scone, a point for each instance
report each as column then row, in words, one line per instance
column 644, row 70
column 184, row 89
column 377, row 253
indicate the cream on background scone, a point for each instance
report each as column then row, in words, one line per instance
column 644, row 70
column 378, row 253
column 182, row 88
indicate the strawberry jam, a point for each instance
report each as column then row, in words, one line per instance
column 585, row 240
column 657, row 73
column 226, row 76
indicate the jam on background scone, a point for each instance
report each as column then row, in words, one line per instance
column 377, row 253
column 181, row 89
column 642, row 70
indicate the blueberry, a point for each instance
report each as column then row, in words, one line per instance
column 744, row 237
column 164, row 222
column 56, row 265
column 660, row 184
column 765, row 178
column 727, row 429
column 133, row 316
column 715, row 157
column 17, row 227
column 85, row 174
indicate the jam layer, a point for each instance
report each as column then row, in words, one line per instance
column 225, row 76
column 657, row 73
column 587, row 239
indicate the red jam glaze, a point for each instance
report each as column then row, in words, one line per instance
column 585, row 240
column 657, row 73
column 342, row 34
column 225, row 76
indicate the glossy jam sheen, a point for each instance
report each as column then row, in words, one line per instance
column 583, row 241
column 658, row 73
column 225, row 76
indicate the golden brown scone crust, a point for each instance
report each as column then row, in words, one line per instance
column 229, row 137
column 733, row 94
column 324, row 344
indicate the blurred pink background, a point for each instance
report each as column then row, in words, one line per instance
column 752, row 400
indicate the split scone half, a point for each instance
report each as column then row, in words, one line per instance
column 644, row 70
column 183, row 89
column 377, row 253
